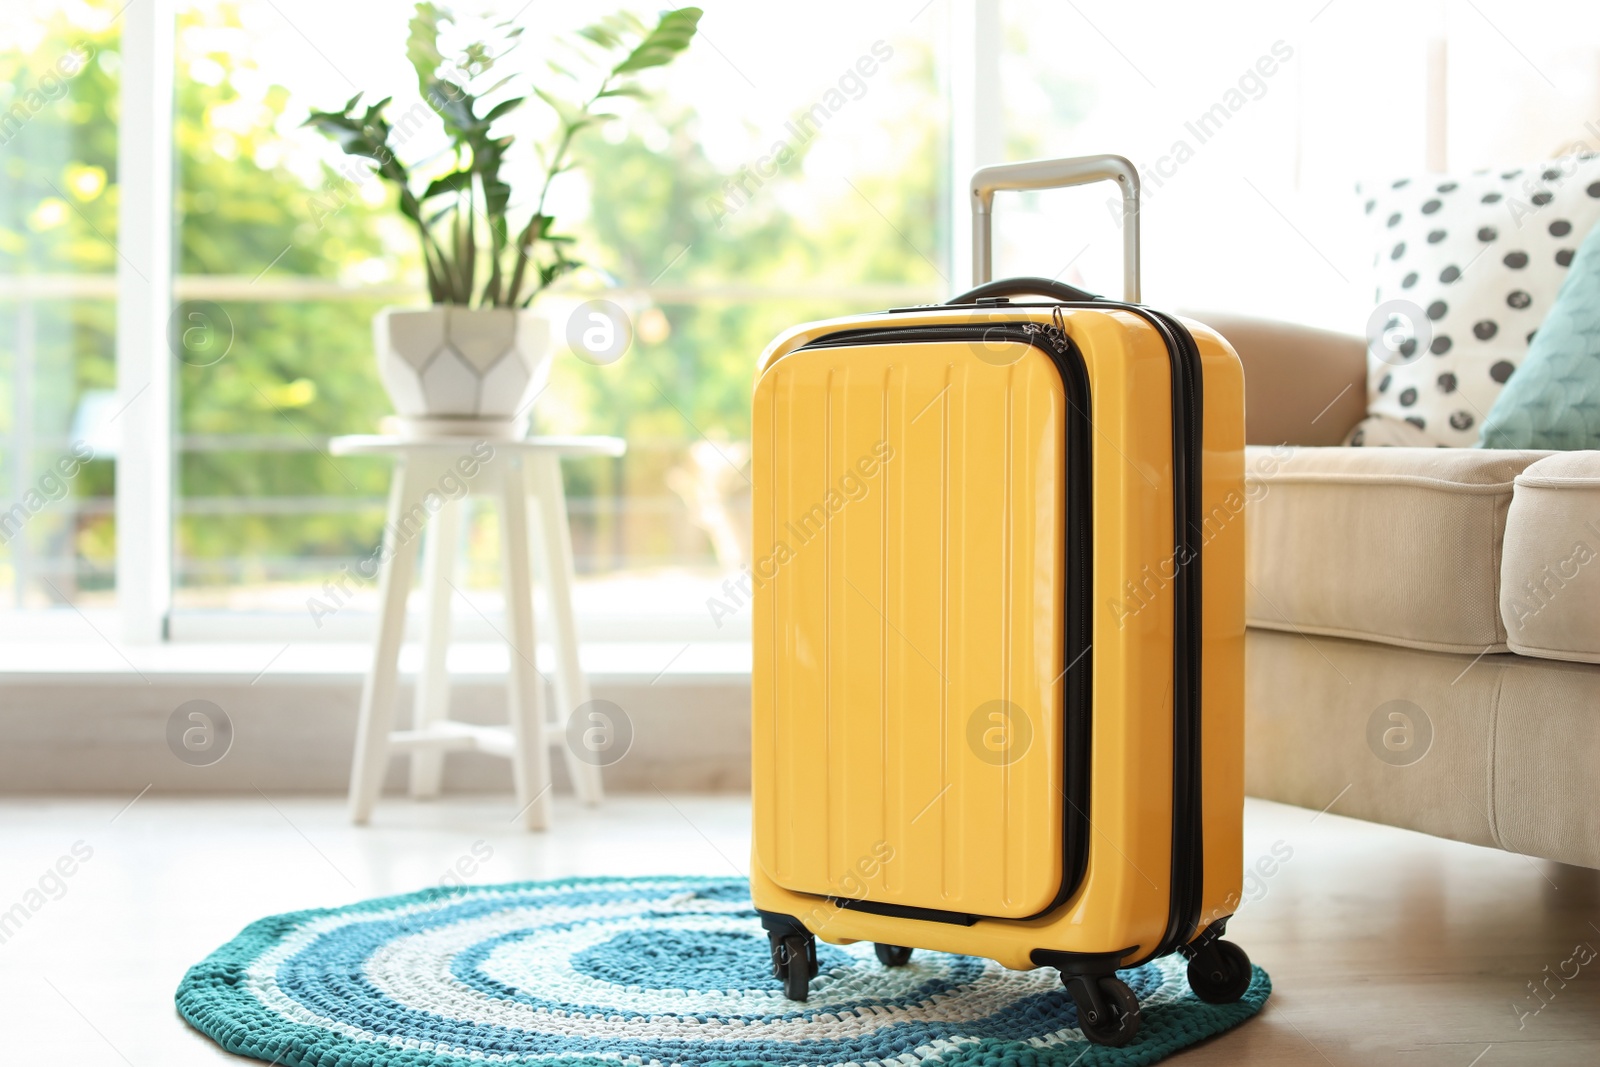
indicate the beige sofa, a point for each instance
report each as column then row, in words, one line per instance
column 1424, row 624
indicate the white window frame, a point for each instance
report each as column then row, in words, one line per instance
column 144, row 304
column 977, row 125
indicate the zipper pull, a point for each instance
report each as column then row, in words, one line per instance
column 1058, row 328
column 1056, row 337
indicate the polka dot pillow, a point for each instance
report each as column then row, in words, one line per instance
column 1466, row 269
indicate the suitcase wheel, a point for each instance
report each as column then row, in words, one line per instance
column 892, row 955
column 1108, row 1012
column 794, row 963
column 1219, row 972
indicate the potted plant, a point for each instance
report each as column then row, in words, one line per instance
column 479, row 353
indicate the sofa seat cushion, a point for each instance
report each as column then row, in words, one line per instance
column 1396, row 545
column 1550, row 573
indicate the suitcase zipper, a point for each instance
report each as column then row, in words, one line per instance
column 1188, row 852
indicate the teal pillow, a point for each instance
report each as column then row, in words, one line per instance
column 1553, row 400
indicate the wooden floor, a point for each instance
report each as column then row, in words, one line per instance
column 1385, row 947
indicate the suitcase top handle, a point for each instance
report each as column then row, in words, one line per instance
column 1009, row 287
column 1056, row 174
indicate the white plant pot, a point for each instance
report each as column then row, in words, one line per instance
column 451, row 367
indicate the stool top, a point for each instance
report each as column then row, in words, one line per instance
column 371, row 444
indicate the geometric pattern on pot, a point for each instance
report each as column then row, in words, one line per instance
column 447, row 361
column 665, row 970
column 1477, row 261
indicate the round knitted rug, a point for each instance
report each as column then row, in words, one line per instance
column 638, row 971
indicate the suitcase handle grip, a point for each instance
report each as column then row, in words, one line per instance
column 1008, row 287
column 1056, row 174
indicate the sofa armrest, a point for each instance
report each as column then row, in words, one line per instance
column 1302, row 386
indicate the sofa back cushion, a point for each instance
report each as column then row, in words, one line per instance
column 1466, row 268
column 1302, row 385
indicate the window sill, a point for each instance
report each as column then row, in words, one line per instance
column 262, row 663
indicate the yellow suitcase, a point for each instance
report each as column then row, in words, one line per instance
column 999, row 631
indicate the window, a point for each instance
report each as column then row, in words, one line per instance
column 762, row 188
column 1252, row 122
column 796, row 165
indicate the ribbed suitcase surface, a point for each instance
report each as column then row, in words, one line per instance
column 909, row 530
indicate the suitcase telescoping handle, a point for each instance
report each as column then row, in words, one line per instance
column 1056, row 174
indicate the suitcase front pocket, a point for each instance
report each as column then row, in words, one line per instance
column 921, row 554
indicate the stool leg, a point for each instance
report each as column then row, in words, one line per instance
column 433, row 683
column 530, row 761
column 378, row 693
column 556, row 570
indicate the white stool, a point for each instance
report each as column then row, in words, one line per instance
column 431, row 477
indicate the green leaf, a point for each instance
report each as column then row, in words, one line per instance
column 353, row 138
column 422, row 45
column 477, row 59
column 504, row 107
column 331, row 122
column 450, row 183
column 566, row 112
column 497, row 85
column 580, row 121
column 453, row 104
column 496, row 198
column 662, row 45
column 600, row 35
column 411, row 207
column 612, row 30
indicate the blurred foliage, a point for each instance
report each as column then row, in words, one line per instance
column 299, row 371
column 58, row 215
